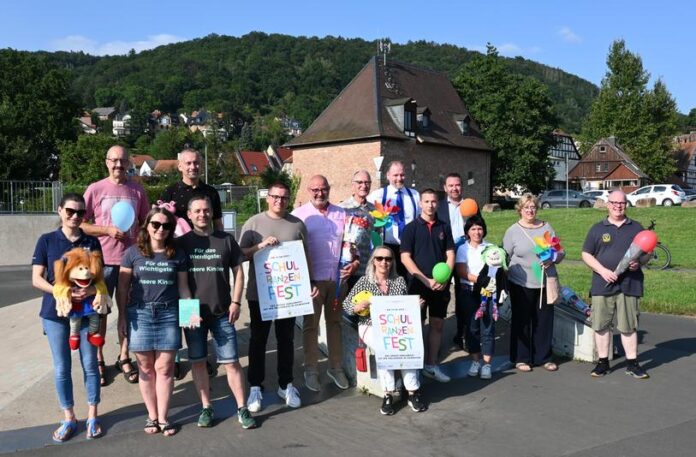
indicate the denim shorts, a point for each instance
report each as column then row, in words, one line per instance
column 153, row 327
column 224, row 339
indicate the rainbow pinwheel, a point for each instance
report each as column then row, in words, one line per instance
column 547, row 248
column 384, row 214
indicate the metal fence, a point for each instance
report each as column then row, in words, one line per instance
column 18, row 197
column 229, row 195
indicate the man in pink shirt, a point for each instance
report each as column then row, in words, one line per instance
column 100, row 197
column 324, row 222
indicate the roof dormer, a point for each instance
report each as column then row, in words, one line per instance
column 404, row 113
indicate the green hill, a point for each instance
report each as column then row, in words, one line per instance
column 261, row 74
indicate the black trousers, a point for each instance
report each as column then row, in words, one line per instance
column 284, row 332
column 531, row 327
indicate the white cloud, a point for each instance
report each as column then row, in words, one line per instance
column 116, row 47
column 569, row 36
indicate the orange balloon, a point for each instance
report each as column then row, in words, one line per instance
column 468, row 207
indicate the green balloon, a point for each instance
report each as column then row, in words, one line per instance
column 441, row 273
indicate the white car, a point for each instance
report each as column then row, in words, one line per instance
column 664, row 194
column 599, row 194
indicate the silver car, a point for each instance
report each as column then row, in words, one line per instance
column 561, row 198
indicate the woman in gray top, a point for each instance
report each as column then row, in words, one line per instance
column 532, row 318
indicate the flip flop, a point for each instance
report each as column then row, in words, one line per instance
column 550, row 366
column 66, row 430
column 523, row 367
column 94, row 429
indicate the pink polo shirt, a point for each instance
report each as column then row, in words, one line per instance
column 324, row 237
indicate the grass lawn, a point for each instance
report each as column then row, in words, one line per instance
column 671, row 291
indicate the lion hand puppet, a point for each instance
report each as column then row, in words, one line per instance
column 79, row 269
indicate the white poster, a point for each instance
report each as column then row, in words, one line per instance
column 282, row 281
column 396, row 331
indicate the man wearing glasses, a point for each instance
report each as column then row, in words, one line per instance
column 260, row 231
column 614, row 295
column 100, row 197
column 359, row 220
column 325, row 223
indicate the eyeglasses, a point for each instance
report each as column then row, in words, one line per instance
column 363, row 183
column 166, row 226
column 115, row 161
column 617, row 203
column 530, row 208
column 379, row 258
column 319, row 190
column 71, row 212
column 282, row 198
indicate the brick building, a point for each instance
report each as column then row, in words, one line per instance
column 391, row 112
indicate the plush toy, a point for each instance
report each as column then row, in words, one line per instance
column 81, row 268
column 182, row 227
column 492, row 280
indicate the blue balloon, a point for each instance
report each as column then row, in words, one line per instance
column 123, row 215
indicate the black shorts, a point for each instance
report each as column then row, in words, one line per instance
column 436, row 302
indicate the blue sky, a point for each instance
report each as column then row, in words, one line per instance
column 572, row 35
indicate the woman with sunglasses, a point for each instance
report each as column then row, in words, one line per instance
column 381, row 279
column 152, row 279
column 51, row 247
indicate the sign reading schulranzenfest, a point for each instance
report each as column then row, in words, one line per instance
column 397, row 336
column 282, row 281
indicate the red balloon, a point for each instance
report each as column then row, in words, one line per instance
column 468, row 207
column 646, row 240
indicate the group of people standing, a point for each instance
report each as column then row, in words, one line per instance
column 150, row 270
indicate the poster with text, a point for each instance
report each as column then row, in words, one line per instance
column 282, row 281
column 396, row 332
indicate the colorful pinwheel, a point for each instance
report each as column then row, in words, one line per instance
column 384, row 215
column 547, row 248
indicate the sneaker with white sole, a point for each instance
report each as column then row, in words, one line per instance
column 474, row 368
column 416, row 402
column 434, row 372
column 338, row 377
column 311, row 380
column 290, row 395
column 486, row 372
column 254, row 401
column 245, row 419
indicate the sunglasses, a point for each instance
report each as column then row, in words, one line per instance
column 379, row 258
column 71, row 212
column 166, row 226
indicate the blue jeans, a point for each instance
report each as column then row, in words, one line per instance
column 224, row 337
column 480, row 333
column 58, row 332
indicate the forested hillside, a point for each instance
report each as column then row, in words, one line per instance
column 260, row 74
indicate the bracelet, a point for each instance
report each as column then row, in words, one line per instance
column 236, row 303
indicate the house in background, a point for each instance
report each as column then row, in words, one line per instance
column 685, row 157
column 158, row 167
column 563, row 156
column 252, row 163
column 280, row 158
column 394, row 111
column 105, row 113
column 121, row 125
column 86, row 125
column 607, row 166
column 137, row 162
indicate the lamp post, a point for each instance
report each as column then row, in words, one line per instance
column 566, row 157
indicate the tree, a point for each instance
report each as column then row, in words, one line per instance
column 83, row 161
column 643, row 121
column 516, row 117
column 36, row 114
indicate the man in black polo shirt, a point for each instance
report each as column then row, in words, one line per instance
column 181, row 192
column 425, row 242
column 614, row 295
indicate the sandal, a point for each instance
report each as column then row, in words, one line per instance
column 523, row 367
column 550, row 366
column 94, row 429
column 167, row 428
column 102, row 372
column 66, row 430
column 151, row 426
column 131, row 375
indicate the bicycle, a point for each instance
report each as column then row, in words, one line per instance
column 661, row 258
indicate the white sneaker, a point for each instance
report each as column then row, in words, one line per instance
column 474, row 369
column 254, row 401
column 434, row 372
column 290, row 395
column 486, row 371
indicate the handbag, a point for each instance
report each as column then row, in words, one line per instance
column 553, row 290
column 360, row 355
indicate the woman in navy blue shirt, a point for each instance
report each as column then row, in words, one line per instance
column 51, row 247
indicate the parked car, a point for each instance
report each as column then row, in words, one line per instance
column 598, row 194
column 664, row 194
column 690, row 194
column 557, row 199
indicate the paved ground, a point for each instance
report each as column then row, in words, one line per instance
column 15, row 285
column 534, row 414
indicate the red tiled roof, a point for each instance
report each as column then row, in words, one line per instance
column 285, row 154
column 253, row 162
column 138, row 159
column 165, row 166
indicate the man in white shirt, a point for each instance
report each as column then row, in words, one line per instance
column 408, row 202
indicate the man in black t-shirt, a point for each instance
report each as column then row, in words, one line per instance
column 181, row 192
column 212, row 254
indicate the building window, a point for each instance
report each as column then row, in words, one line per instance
column 605, row 166
column 598, row 167
column 423, row 121
column 602, row 149
column 463, row 125
column 409, row 123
